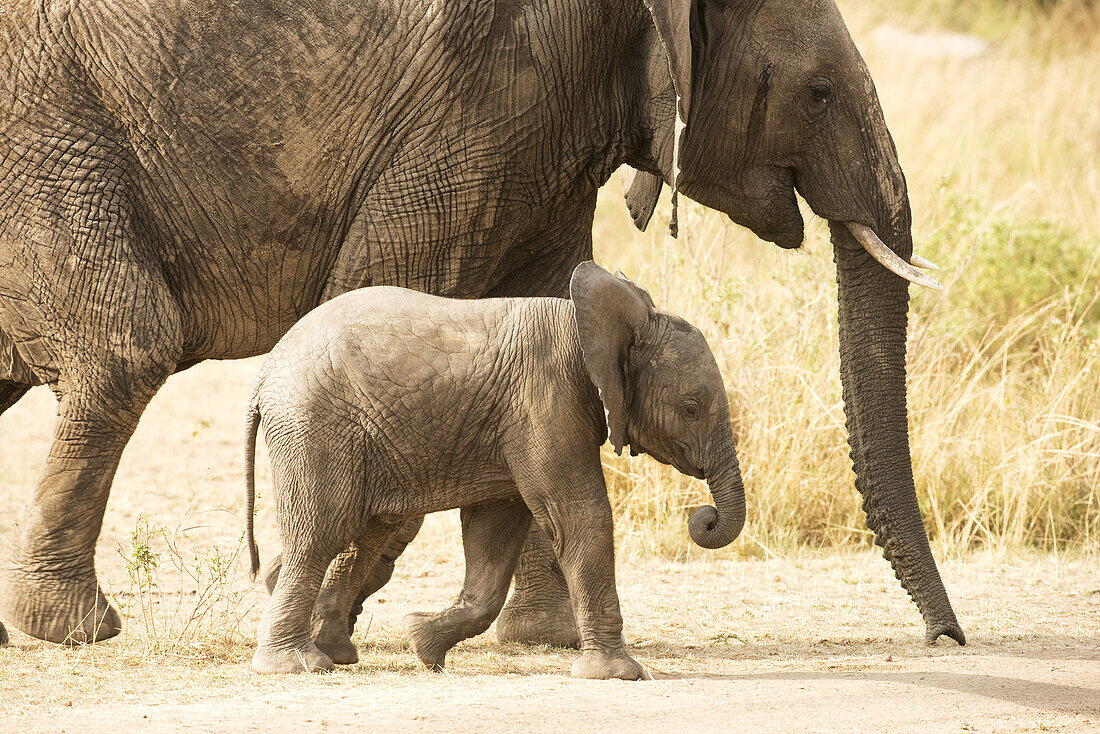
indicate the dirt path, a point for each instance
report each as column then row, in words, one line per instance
column 983, row 693
column 816, row 644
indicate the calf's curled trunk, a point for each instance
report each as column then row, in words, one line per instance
column 718, row 526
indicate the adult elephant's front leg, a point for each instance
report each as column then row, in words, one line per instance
column 49, row 588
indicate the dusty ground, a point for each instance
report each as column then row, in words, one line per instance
column 816, row 643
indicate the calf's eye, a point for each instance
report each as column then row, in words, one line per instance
column 821, row 93
column 690, row 409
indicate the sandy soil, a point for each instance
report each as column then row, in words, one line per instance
column 813, row 643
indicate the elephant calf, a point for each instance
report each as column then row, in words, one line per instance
column 385, row 404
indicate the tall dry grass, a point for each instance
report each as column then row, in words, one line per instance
column 1001, row 153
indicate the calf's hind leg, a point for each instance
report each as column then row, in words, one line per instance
column 345, row 575
column 379, row 575
column 347, row 583
column 286, row 637
column 492, row 536
column 284, row 641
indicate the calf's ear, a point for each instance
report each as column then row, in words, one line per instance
column 610, row 310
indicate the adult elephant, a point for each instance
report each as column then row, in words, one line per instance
column 182, row 181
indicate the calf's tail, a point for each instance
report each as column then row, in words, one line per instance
column 251, row 427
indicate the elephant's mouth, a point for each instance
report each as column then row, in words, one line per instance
column 681, row 463
column 693, row 472
column 789, row 236
column 685, row 464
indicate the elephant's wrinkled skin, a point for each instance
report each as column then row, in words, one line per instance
column 184, row 181
column 385, row 404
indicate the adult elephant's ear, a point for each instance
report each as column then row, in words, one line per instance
column 672, row 18
column 640, row 189
column 610, row 310
column 673, row 21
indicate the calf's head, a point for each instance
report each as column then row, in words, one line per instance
column 662, row 392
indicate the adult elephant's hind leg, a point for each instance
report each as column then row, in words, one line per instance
column 110, row 333
column 49, row 588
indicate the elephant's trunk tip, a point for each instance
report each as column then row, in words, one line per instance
column 703, row 526
column 951, row 629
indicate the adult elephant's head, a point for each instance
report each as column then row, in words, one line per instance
column 776, row 99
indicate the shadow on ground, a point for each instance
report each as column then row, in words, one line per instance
column 1024, row 692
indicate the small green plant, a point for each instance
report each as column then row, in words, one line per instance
column 142, row 561
column 188, row 603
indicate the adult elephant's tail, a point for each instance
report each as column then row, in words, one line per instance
column 251, row 427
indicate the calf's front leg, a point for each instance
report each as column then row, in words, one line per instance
column 576, row 517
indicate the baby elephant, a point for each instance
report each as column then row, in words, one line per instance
column 385, row 404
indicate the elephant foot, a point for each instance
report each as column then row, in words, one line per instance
column 62, row 613
column 933, row 631
column 3, row 635
column 600, row 665
column 428, row 641
column 527, row 626
column 333, row 640
column 306, row 659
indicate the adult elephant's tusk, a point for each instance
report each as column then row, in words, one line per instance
column 889, row 259
column 920, row 262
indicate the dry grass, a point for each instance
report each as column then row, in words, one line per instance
column 185, row 603
column 1001, row 155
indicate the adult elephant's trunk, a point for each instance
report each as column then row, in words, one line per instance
column 718, row 526
column 874, row 306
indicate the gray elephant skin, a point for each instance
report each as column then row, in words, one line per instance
column 184, row 181
column 386, row 404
